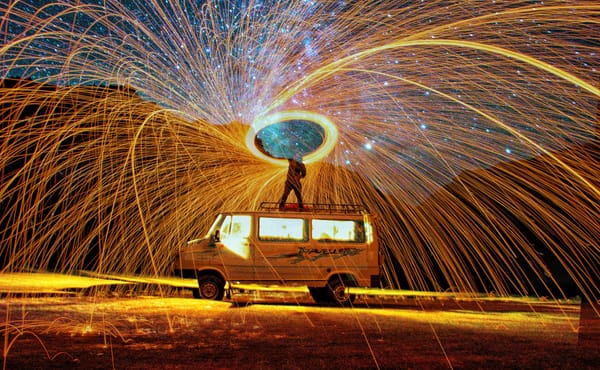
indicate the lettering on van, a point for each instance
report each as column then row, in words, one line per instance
column 313, row 254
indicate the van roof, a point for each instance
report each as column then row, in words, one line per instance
column 319, row 208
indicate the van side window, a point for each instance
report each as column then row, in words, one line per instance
column 338, row 231
column 282, row 229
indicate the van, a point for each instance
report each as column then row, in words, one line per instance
column 325, row 247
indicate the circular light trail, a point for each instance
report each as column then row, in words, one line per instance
column 289, row 139
column 330, row 134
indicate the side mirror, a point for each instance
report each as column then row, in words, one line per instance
column 216, row 237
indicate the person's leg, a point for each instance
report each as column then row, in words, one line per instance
column 286, row 193
column 298, row 192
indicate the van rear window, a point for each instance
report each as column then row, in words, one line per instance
column 282, row 229
column 338, row 231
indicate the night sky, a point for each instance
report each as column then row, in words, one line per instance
column 431, row 110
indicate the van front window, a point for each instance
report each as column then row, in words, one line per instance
column 235, row 232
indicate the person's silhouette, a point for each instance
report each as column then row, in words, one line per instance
column 296, row 171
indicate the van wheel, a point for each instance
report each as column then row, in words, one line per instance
column 337, row 291
column 210, row 287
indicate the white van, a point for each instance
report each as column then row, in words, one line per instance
column 326, row 247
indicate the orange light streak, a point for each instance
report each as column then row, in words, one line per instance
column 471, row 128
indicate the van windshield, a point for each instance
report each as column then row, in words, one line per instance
column 214, row 227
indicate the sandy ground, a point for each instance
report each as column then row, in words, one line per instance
column 288, row 331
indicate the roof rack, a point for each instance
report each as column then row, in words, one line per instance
column 315, row 207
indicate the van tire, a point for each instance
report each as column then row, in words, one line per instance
column 210, row 287
column 336, row 290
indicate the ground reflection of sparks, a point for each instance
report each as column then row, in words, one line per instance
column 131, row 327
column 470, row 127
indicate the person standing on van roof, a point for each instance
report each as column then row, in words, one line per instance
column 296, row 171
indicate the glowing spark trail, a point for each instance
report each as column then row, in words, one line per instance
column 470, row 127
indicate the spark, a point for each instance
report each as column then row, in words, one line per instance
column 140, row 125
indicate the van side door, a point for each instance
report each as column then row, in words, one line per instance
column 339, row 244
column 278, row 254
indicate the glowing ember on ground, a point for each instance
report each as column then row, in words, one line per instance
column 279, row 330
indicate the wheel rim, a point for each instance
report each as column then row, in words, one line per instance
column 209, row 290
column 339, row 292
